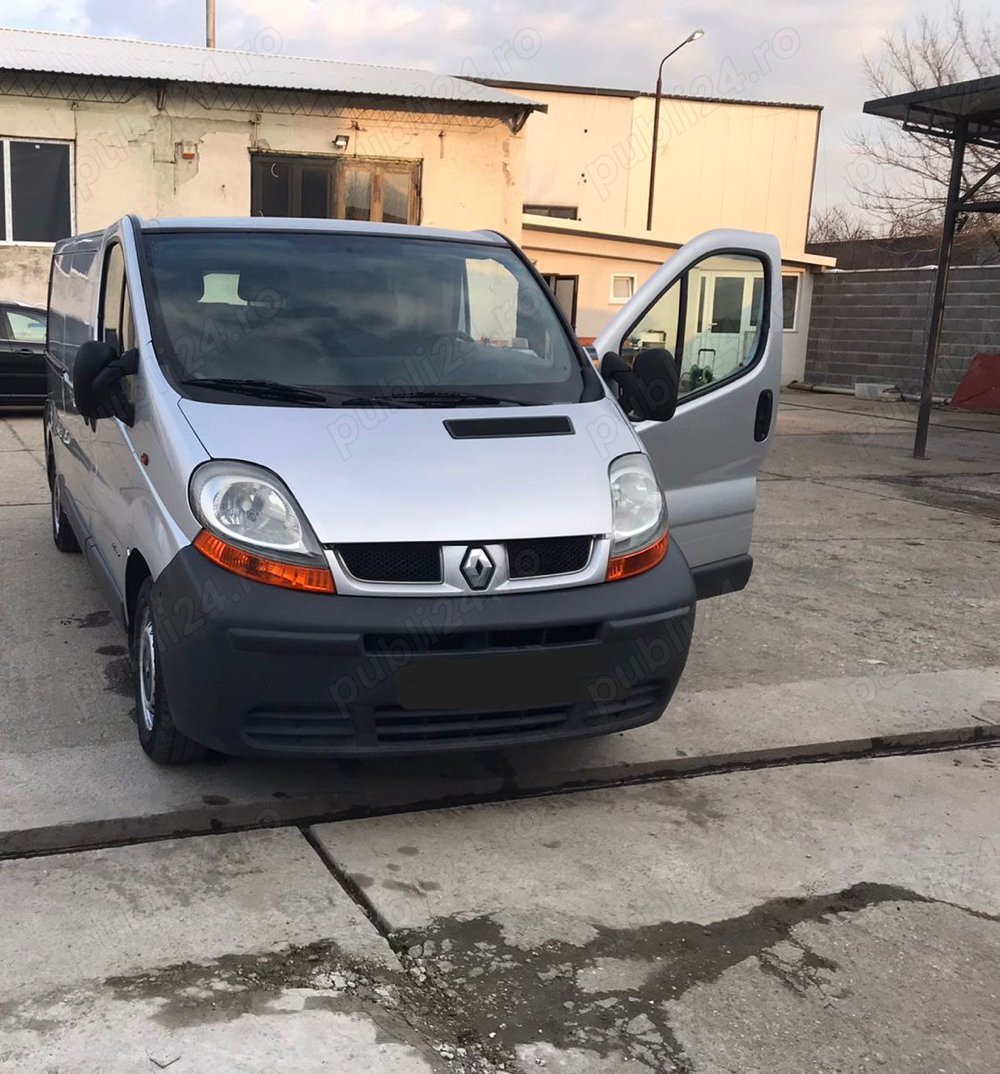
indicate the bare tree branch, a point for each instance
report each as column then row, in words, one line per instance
column 900, row 178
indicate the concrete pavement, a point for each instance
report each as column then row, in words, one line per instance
column 834, row 916
column 871, row 600
column 826, row 918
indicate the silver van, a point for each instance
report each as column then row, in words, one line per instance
column 356, row 489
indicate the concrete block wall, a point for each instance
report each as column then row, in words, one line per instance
column 872, row 326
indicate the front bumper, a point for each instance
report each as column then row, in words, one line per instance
column 254, row 669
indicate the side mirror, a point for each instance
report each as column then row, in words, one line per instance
column 649, row 387
column 97, row 381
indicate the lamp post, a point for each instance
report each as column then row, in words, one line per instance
column 693, row 36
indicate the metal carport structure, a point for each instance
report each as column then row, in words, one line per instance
column 964, row 113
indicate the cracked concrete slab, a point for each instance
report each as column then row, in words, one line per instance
column 778, row 920
column 223, row 953
column 685, row 850
column 98, row 913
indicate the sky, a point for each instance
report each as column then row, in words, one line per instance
column 803, row 51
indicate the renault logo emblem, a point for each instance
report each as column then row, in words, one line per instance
column 477, row 568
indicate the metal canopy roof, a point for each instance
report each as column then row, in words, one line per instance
column 110, row 57
column 965, row 113
column 942, row 109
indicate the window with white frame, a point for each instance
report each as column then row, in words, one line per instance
column 622, row 288
column 35, row 190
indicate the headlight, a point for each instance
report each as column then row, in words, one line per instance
column 248, row 505
column 254, row 527
column 640, row 516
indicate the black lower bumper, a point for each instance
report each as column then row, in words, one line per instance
column 254, row 669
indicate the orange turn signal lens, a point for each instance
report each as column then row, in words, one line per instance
column 636, row 562
column 260, row 569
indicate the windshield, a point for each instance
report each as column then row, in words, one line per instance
column 353, row 317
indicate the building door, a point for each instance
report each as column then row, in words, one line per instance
column 565, row 288
column 726, row 324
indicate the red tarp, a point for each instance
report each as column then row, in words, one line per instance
column 980, row 387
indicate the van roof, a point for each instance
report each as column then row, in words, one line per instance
column 284, row 223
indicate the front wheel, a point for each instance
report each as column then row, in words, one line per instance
column 158, row 734
column 63, row 536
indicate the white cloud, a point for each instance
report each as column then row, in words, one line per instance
column 68, row 16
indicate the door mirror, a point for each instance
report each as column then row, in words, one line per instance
column 648, row 388
column 97, row 381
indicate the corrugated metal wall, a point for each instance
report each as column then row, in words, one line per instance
column 872, row 326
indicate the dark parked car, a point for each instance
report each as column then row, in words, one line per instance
column 22, row 355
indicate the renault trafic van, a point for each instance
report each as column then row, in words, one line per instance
column 356, row 489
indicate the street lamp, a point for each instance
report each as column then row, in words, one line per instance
column 693, row 36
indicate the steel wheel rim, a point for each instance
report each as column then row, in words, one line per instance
column 56, row 507
column 147, row 673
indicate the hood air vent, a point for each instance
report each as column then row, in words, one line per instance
column 493, row 428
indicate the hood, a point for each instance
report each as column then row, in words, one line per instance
column 399, row 475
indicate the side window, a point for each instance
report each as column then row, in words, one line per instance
column 26, row 327
column 128, row 324
column 117, row 325
column 713, row 320
column 111, row 298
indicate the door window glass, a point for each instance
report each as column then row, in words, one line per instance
column 111, row 297
column 712, row 319
column 316, row 193
column 727, row 305
column 395, row 198
column 358, row 194
column 26, row 327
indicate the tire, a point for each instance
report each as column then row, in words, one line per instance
column 63, row 536
column 158, row 734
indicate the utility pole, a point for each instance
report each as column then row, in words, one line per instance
column 210, row 23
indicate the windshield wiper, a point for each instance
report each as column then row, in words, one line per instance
column 430, row 397
column 260, row 389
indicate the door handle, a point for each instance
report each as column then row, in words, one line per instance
column 25, row 350
column 762, row 419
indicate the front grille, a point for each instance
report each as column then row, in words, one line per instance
column 460, row 641
column 395, row 562
column 536, row 557
column 401, row 725
column 299, row 730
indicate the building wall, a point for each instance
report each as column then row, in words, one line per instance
column 127, row 159
column 718, row 165
column 594, row 260
column 871, row 325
